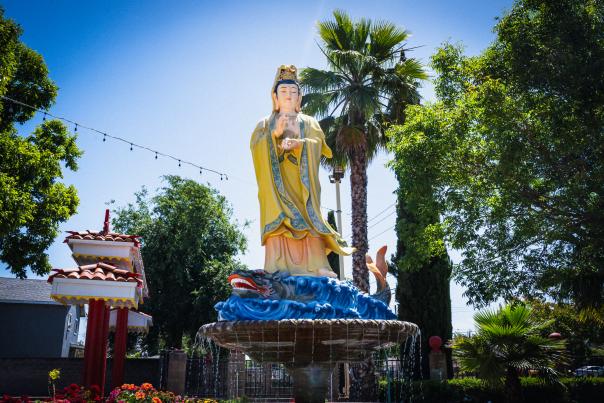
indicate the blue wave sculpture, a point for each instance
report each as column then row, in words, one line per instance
column 258, row 295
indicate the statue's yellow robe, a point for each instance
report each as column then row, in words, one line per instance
column 289, row 193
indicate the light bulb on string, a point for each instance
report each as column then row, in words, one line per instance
column 12, row 109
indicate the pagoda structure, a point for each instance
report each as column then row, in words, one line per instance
column 109, row 274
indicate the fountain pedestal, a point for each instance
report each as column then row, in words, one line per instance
column 309, row 348
column 310, row 381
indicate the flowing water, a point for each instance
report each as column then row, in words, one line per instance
column 393, row 367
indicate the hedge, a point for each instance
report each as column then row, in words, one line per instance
column 466, row 390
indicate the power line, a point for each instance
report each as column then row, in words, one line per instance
column 380, row 213
column 223, row 176
column 383, row 232
column 380, row 220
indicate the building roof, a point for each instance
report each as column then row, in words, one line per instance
column 99, row 271
column 102, row 236
column 26, row 291
column 106, row 235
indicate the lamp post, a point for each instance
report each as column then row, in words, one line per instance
column 336, row 177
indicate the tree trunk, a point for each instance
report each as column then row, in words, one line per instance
column 513, row 391
column 358, row 191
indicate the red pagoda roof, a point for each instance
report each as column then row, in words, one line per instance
column 103, row 236
column 98, row 271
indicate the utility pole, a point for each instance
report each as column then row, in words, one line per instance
column 336, row 177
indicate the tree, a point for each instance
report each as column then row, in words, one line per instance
column 422, row 291
column 582, row 329
column 513, row 153
column 367, row 68
column 34, row 202
column 189, row 245
column 507, row 342
column 422, row 287
column 333, row 258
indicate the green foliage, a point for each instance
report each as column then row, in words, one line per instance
column 582, row 329
column 333, row 258
column 33, row 201
column 422, row 290
column 512, row 156
column 369, row 81
column 473, row 390
column 508, row 341
column 189, row 245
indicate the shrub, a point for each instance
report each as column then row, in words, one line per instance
column 473, row 390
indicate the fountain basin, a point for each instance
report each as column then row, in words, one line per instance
column 309, row 348
column 305, row 341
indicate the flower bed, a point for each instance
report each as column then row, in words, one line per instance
column 127, row 393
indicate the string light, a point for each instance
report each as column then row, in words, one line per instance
column 179, row 163
column 116, row 138
column 44, row 118
column 76, row 128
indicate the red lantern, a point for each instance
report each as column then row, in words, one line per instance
column 435, row 343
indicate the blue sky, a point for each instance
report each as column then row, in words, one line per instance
column 192, row 78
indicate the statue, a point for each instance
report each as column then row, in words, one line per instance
column 287, row 148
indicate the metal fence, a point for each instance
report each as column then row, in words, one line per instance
column 233, row 375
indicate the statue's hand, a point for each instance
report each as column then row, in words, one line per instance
column 281, row 124
column 291, row 144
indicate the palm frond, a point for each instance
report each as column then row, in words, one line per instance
column 376, row 136
column 368, row 79
column 384, row 37
column 315, row 80
column 355, row 63
column 362, row 29
column 510, row 336
column 337, row 34
column 410, row 69
column 318, row 104
column 331, row 126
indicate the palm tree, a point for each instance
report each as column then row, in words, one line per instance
column 507, row 342
column 369, row 81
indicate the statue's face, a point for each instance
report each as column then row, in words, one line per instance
column 287, row 97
